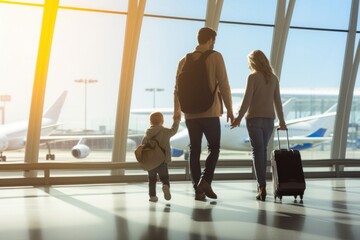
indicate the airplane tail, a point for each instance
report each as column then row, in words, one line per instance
column 324, row 126
column 287, row 106
column 318, row 133
column 53, row 112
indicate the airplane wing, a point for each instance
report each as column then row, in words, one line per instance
column 300, row 143
column 310, row 118
column 83, row 138
column 62, row 138
column 287, row 106
column 81, row 150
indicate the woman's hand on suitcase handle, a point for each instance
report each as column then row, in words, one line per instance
column 282, row 127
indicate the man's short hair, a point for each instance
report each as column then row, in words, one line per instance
column 205, row 34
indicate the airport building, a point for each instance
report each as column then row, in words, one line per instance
column 80, row 78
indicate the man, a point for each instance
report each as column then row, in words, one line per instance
column 206, row 123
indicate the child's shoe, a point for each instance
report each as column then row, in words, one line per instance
column 153, row 199
column 166, row 190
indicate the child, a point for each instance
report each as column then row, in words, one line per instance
column 163, row 135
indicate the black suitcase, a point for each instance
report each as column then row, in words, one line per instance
column 287, row 172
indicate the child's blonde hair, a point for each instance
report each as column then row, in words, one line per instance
column 156, row 118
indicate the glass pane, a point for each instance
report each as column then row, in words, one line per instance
column 256, row 11
column 305, row 50
column 118, row 5
column 353, row 144
column 356, row 46
column 26, row 1
column 311, row 74
column 354, row 121
column 160, row 49
column 177, row 8
column 158, row 56
column 86, row 61
column 322, row 14
column 235, row 42
column 19, row 42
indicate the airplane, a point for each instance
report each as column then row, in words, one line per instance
column 287, row 106
column 303, row 133
column 13, row 135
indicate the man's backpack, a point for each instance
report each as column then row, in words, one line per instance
column 150, row 154
column 194, row 93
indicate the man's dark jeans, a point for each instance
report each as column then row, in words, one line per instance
column 210, row 127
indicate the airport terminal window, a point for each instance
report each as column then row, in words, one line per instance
column 312, row 59
column 313, row 65
column 353, row 144
column 20, row 31
column 91, row 48
column 158, row 56
column 163, row 43
column 322, row 14
column 235, row 42
column 177, row 8
column 354, row 120
column 255, row 11
column 111, row 5
column 356, row 46
column 88, row 49
column 27, row 1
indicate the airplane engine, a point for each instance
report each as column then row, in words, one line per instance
column 4, row 143
column 80, row 151
column 176, row 152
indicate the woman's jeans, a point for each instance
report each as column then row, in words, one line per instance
column 260, row 131
column 210, row 127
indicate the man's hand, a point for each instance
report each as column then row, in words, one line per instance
column 235, row 123
column 230, row 116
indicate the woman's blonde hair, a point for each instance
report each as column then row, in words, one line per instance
column 258, row 62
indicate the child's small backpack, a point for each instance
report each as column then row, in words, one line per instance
column 194, row 93
column 150, row 154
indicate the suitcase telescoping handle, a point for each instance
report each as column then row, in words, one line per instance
column 287, row 138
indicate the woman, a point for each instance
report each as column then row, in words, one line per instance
column 261, row 96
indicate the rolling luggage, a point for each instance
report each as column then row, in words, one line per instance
column 287, row 172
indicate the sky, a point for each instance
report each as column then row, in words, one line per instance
column 89, row 45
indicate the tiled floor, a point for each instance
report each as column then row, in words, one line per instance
column 330, row 210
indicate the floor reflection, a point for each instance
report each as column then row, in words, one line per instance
column 330, row 210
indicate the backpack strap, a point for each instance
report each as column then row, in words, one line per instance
column 205, row 55
column 157, row 142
